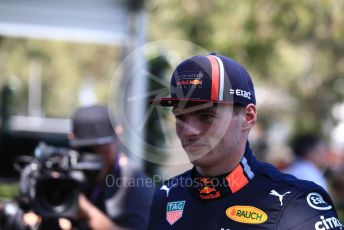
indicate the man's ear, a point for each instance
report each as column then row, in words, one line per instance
column 250, row 116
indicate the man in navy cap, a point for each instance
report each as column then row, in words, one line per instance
column 114, row 201
column 214, row 105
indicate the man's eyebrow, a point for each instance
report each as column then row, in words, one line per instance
column 205, row 107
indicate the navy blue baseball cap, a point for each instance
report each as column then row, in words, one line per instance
column 210, row 78
column 91, row 125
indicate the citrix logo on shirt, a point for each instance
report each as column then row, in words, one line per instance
column 328, row 223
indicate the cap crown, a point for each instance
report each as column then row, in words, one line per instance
column 211, row 78
column 92, row 126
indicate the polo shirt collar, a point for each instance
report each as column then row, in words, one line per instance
column 207, row 188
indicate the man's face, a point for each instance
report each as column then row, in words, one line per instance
column 209, row 133
column 318, row 155
column 106, row 152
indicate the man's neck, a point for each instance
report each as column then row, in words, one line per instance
column 224, row 166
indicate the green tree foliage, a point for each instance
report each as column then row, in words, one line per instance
column 293, row 49
column 65, row 68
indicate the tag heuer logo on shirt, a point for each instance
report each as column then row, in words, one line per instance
column 246, row 214
column 174, row 211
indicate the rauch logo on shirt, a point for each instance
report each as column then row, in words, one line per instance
column 246, row 214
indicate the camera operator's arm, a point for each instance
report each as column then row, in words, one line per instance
column 96, row 218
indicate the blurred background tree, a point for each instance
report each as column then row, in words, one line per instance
column 66, row 69
column 294, row 51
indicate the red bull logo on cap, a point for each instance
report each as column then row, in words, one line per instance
column 189, row 82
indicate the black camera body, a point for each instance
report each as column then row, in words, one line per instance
column 51, row 182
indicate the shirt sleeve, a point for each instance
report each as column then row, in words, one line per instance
column 313, row 209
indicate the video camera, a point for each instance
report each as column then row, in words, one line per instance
column 51, row 181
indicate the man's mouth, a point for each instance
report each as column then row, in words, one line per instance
column 193, row 146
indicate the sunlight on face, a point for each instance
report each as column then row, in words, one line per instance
column 206, row 130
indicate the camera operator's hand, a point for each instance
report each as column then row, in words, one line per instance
column 31, row 219
column 95, row 218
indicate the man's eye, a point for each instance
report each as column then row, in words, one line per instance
column 180, row 118
column 207, row 117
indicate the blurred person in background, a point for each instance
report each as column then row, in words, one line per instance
column 104, row 206
column 115, row 197
column 310, row 163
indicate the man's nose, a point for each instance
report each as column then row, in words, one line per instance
column 191, row 126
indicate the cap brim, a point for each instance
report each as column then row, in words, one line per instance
column 167, row 102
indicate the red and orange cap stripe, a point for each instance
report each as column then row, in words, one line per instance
column 215, row 77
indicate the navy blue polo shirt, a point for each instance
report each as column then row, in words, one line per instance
column 254, row 195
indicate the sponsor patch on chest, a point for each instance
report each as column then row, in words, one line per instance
column 174, row 211
column 246, row 214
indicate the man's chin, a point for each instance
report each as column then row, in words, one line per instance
column 202, row 162
column 197, row 157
